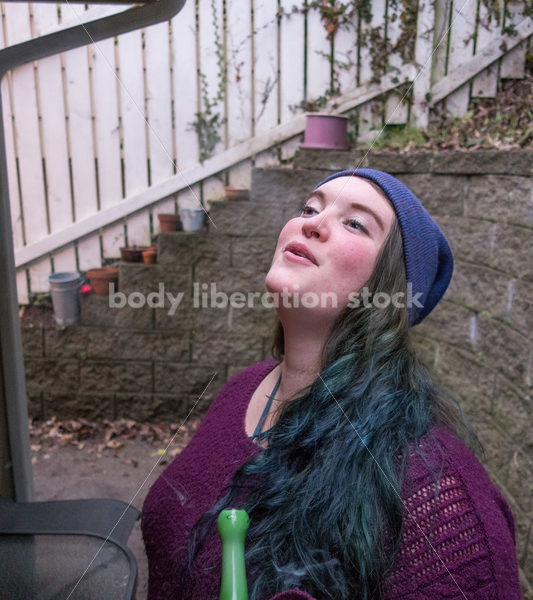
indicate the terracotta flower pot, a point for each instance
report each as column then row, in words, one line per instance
column 169, row 222
column 101, row 278
column 234, row 193
column 131, row 253
column 150, row 255
column 326, row 132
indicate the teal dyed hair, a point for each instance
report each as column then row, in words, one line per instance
column 323, row 498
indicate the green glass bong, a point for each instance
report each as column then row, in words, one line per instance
column 232, row 526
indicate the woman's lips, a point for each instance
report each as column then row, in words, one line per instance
column 297, row 259
column 301, row 251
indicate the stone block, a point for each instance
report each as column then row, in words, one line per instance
column 484, row 162
column 151, row 290
column 66, row 343
column 426, row 348
column 329, row 160
column 115, row 376
column 113, row 343
column 520, row 311
column 513, row 250
column 93, row 407
column 339, row 160
column 51, row 375
column 500, row 198
column 170, row 346
column 511, row 409
column 32, row 342
column 138, row 278
column 284, row 187
column 183, row 249
column 507, row 350
column 466, row 378
column 95, row 311
column 441, row 195
column 470, row 239
column 524, row 546
column 208, row 348
column 244, row 278
column 479, row 287
column 520, row 481
column 248, row 218
column 179, row 319
column 498, row 449
column 152, row 407
column 253, row 322
column 451, row 323
column 396, row 162
column 190, row 379
column 135, row 317
column 256, row 251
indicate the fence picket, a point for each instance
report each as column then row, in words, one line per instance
column 345, row 55
column 485, row 84
column 292, row 69
column 239, row 84
column 396, row 105
column 27, row 144
column 461, row 47
column 185, row 86
column 211, row 40
column 107, row 140
column 513, row 64
column 266, row 84
column 54, row 138
column 134, row 129
column 425, row 38
column 318, row 52
column 370, row 114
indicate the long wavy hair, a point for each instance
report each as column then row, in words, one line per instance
column 324, row 497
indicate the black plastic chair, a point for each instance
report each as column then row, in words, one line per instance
column 67, row 549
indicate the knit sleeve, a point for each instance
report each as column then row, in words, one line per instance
column 447, row 551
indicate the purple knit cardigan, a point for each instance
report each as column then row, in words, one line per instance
column 458, row 546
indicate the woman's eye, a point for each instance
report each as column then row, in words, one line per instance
column 308, row 210
column 356, row 224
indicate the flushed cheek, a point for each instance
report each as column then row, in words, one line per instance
column 356, row 267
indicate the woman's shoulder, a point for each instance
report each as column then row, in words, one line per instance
column 458, row 530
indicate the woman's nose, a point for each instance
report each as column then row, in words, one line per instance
column 316, row 225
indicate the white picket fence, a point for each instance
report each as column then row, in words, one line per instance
column 99, row 139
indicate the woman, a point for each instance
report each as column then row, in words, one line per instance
column 355, row 479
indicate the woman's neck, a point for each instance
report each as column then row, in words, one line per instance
column 301, row 361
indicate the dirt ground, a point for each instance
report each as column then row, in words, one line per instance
column 120, row 459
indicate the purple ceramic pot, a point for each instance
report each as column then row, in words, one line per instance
column 326, row 132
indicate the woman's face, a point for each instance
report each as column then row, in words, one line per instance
column 341, row 230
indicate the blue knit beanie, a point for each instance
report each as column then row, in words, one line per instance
column 428, row 257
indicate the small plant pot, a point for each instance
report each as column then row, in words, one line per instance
column 101, row 278
column 169, row 222
column 132, row 253
column 65, row 292
column 234, row 193
column 150, row 256
column 192, row 219
column 326, row 132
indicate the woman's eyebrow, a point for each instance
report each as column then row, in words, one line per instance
column 321, row 196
